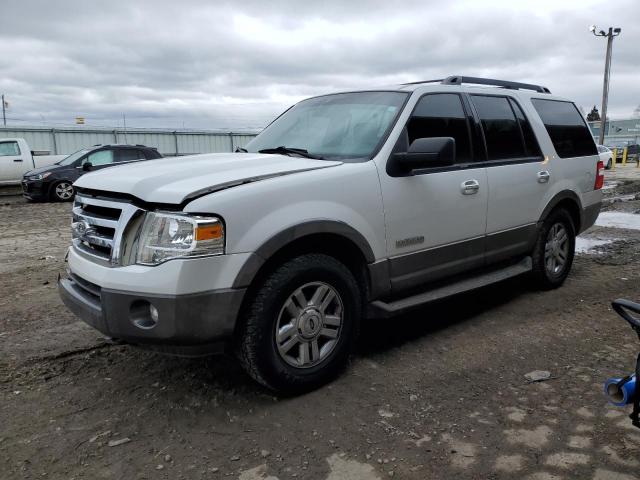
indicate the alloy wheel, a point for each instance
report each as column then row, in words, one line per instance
column 556, row 249
column 309, row 325
column 64, row 191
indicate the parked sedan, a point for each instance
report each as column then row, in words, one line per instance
column 606, row 156
column 55, row 182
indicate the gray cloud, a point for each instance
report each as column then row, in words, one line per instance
column 236, row 64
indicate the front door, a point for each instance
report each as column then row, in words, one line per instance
column 100, row 159
column 436, row 220
column 12, row 164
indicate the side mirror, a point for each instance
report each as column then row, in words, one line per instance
column 87, row 166
column 425, row 153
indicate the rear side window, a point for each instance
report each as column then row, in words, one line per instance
column 531, row 147
column 501, row 129
column 9, row 149
column 129, row 155
column 441, row 115
column 566, row 127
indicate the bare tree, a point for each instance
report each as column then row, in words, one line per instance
column 593, row 115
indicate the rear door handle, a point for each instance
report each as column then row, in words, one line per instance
column 17, row 159
column 543, row 176
column 470, row 187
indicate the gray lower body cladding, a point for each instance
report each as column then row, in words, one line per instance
column 189, row 325
column 588, row 216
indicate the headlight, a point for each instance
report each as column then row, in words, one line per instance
column 169, row 235
column 40, row 176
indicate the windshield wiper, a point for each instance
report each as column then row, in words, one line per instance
column 241, row 150
column 288, row 150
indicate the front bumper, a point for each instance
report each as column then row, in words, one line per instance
column 34, row 189
column 191, row 325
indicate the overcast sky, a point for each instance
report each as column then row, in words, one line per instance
column 218, row 64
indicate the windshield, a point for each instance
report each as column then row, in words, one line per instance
column 341, row 126
column 72, row 158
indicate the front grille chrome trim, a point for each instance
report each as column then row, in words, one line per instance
column 98, row 235
column 94, row 219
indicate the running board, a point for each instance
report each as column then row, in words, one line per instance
column 384, row 309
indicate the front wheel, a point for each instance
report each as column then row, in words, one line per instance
column 554, row 250
column 608, row 167
column 298, row 328
column 63, row 191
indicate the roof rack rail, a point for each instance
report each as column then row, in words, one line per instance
column 459, row 80
column 439, row 80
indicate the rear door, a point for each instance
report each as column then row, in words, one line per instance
column 517, row 176
column 12, row 163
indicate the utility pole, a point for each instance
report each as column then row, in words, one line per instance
column 4, row 115
column 124, row 124
column 613, row 32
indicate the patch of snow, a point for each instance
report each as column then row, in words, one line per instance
column 610, row 185
column 587, row 244
column 626, row 220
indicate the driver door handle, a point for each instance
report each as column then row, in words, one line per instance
column 17, row 159
column 470, row 187
column 543, row 176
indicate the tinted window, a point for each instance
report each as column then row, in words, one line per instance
column 9, row 149
column 441, row 115
column 532, row 149
column 151, row 153
column 128, row 155
column 566, row 127
column 500, row 127
column 101, row 157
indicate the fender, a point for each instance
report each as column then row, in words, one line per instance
column 559, row 197
column 279, row 240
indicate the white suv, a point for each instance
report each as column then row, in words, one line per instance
column 347, row 206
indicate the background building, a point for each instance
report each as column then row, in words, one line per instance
column 618, row 131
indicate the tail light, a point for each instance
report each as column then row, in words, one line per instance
column 599, row 176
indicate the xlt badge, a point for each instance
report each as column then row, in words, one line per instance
column 407, row 242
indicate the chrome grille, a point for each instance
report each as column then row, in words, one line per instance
column 98, row 226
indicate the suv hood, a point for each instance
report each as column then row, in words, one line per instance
column 174, row 180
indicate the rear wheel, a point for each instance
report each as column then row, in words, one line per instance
column 298, row 328
column 553, row 254
column 63, row 191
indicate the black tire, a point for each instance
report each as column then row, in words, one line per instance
column 62, row 191
column 608, row 166
column 256, row 345
column 545, row 277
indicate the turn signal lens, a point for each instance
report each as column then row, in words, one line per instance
column 209, row 232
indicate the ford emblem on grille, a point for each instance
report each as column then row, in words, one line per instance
column 81, row 229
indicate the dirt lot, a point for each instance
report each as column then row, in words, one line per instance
column 438, row 394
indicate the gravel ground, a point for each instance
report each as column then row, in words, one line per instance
column 438, row 394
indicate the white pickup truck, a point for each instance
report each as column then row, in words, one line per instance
column 16, row 159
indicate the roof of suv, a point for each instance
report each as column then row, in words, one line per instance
column 476, row 84
column 119, row 145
